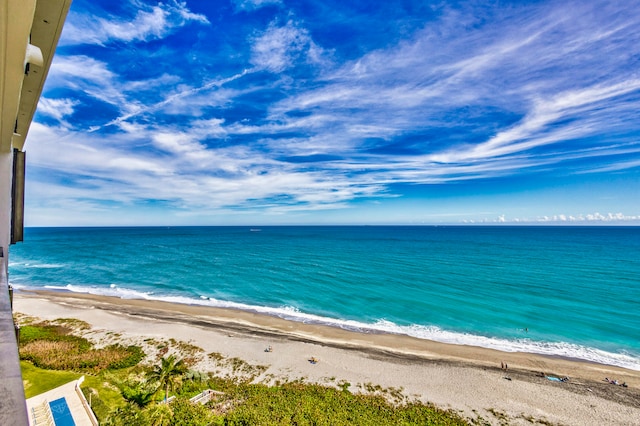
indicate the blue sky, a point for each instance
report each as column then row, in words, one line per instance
column 257, row 112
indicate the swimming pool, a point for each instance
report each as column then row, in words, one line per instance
column 61, row 413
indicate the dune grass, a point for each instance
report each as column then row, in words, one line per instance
column 310, row 404
column 115, row 389
column 53, row 346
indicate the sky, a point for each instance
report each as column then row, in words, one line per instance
column 324, row 112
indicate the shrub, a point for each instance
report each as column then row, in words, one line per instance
column 187, row 414
column 124, row 356
column 50, row 347
column 301, row 404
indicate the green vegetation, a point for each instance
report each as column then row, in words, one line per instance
column 125, row 393
column 51, row 346
column 37, row 380
column 289, row 404
column 168, row 373
column 306, row 404
column 139, row 393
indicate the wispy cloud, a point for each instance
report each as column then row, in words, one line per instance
column 183, row 92
column 535, row 129
column 56, row 108
column 521, row 70
column 273, row 110
column 255, row 4
column 281, row 47
column 149, row 22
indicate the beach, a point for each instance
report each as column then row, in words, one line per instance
column 469, row 380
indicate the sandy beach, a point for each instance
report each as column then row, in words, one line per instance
column 469, row 380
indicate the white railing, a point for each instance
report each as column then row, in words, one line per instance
column 85, row 404
column 205, row 396
column 201, row 398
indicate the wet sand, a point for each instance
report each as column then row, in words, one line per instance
column 466, row 379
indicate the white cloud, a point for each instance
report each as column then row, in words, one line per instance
column 173, row 101
column 181, row 9
column 176, row 143
column 89, row 76
column 356, row 116
column 281, row 47
column 151, row 24
column 183, row 172
column 255, row 4
column 533, row 129
column 621, row 165
column 93, row 78
column 539, row 65
column 68, row 69
column 148, row 23
column 56, row 108
column 609, row 218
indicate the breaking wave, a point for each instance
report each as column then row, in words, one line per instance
column 560, row 349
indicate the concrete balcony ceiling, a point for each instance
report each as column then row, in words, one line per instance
column 24, row 23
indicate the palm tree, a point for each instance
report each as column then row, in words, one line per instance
column 168, row 373
column 138, row 393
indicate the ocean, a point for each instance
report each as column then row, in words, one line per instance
column 564, row 291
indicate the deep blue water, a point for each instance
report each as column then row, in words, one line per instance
column 569, row 291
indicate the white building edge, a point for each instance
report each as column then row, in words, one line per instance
column 29, row 33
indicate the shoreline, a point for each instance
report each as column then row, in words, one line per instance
column 436, row 372
column 559, row 349
column 263, row 320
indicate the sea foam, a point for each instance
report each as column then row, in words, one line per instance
column 434, row 333
column 480, row 286
column 36, row 265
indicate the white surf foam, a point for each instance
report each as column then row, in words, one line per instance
column 36, row 265
column 562, row 349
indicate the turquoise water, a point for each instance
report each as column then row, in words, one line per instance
column 567, row 291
